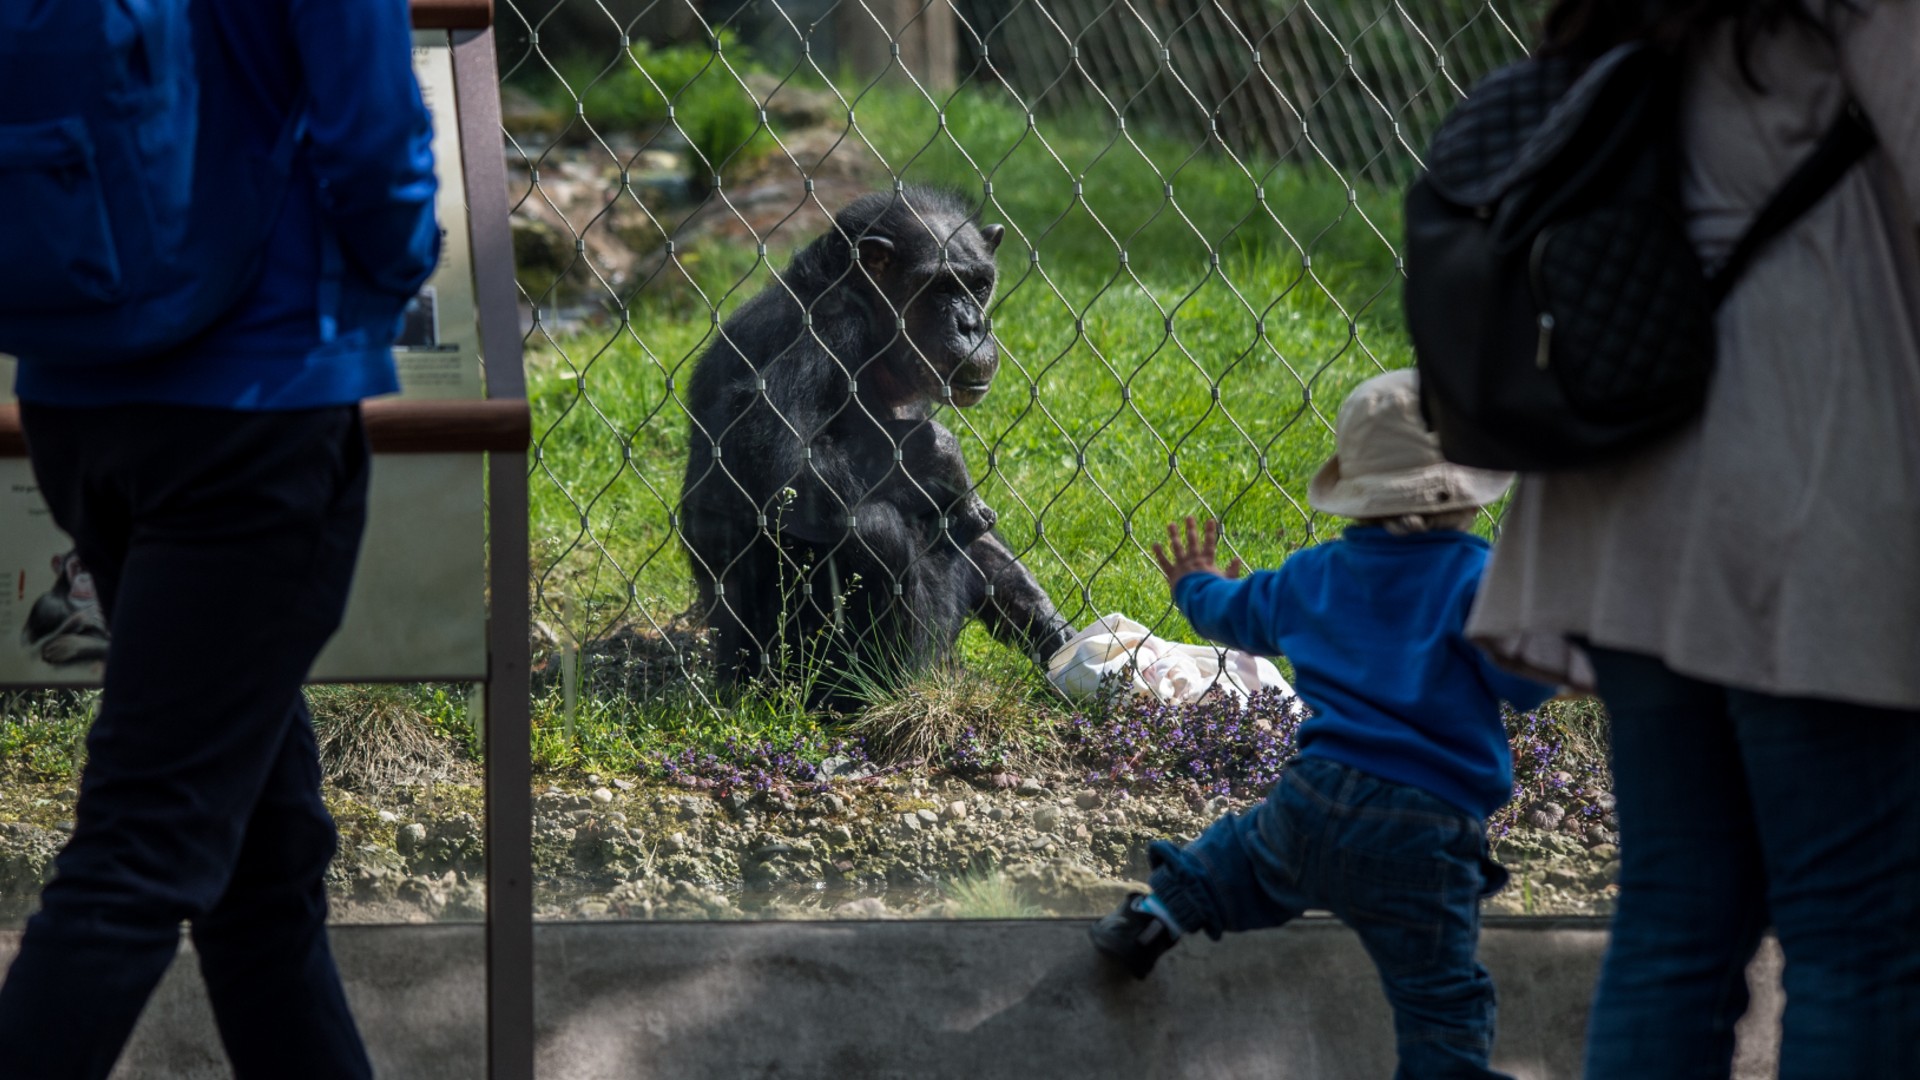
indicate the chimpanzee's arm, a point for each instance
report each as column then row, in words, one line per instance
column 914, row 467
column 1018, row 613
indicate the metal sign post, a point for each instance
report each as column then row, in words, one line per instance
column 504, row 414
column 508, row 741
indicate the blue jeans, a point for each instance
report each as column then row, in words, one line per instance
column 1401, row 867
column 221, row 544
column 1739, row 810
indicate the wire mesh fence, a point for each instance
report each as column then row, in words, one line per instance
column 1195, row 207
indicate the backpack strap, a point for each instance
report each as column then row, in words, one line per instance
column 1845, row 143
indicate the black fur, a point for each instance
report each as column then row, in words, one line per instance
column 822, row 409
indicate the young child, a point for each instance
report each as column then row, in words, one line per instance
column 1382, row 818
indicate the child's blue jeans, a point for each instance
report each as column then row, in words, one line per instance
column 1401, row 867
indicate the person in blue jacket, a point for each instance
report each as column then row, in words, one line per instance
column 1382, row 819
column 217, row 495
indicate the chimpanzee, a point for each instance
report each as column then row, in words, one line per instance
column 65, row 624
column 830, row 520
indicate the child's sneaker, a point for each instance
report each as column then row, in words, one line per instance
column 1131, row 937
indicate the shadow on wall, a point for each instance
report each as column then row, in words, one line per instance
column 861, row 1001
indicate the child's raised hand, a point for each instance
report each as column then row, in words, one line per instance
column 1195, row 556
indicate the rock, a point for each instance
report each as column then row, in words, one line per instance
column 1604, row 850
column 1069, row 887
column 410, row 838
column 1218, row 806
column 593, row 778
column 839, row 835
column 1604, row 801
column 1029, row 788
column 867, row 907
column 464, row 900
column 794, row 105
column 1003, row 781
column 526, row 117
column 540, row 246
column 456, row 829
column 955, row 811
column 842, row 767
column 602, row 796
column 1117, row 817
column 1046, row 819
column 772, row 848
column 833, row 804
column 26, row 861
column 1087, row 800
column 389, row 817
column 927, row 818
column 674, row 844
column 909, row 824
column 623, row 784
column 1563, row 876
column 998, row 813
column 592, row 908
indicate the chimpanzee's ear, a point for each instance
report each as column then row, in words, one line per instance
column 876, row 252
column 993, row 234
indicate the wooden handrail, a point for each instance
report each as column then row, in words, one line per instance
column 452, row 14
column 448, row 427
column 395, row 427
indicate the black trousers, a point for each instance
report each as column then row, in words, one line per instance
column 222, row 544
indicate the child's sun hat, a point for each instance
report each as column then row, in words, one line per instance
column 1387, row 464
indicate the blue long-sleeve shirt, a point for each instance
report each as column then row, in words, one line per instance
column 359, row 210
column 1375, row 627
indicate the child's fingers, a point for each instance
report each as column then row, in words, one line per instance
column 1236, row 568
column 1193, row 539
column 1160, row 556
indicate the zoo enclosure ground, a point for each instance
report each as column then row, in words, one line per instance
column 1177, row 327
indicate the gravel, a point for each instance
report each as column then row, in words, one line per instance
column 874, row 847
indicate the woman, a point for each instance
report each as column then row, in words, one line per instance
column 1745, row 597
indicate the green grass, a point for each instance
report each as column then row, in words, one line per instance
column 1131, row 392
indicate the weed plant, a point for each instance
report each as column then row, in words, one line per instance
column 988, row 894
column 43, row 734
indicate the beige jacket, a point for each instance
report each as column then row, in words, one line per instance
column 1775, row 544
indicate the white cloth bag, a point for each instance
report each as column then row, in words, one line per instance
column 1167, row 670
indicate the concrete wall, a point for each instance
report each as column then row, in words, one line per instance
column 877, row 1001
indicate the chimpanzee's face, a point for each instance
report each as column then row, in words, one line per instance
column 939, row 277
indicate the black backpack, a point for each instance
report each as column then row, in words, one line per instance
column 1559, row 314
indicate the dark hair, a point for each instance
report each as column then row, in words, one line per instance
column 1583, row 29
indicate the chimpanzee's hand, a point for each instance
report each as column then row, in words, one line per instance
column 970, row 519
column 1195, row 556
